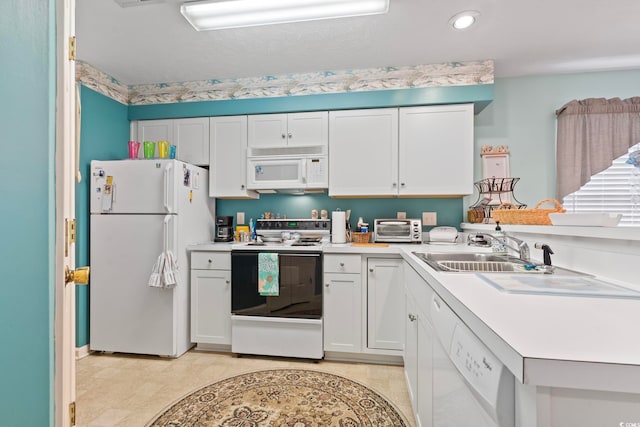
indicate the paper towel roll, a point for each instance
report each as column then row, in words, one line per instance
column 338, row 227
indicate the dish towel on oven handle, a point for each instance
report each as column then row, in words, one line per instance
column 268, row 274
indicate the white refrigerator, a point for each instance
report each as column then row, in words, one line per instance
column 139, row 210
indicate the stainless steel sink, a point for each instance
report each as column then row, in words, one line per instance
column 473, row 262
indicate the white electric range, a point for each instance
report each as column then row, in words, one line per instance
column 286, row 259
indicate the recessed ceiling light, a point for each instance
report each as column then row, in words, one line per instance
column 464, row 20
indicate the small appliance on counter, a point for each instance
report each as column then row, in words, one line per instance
column 396, row 230
column 224, row 229
column 443, row 235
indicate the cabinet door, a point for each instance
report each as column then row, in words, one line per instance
column 411, row 350
column 304, row 129
column 424, row 406
column 342, row 302
column 267, row 130
column 436, row 150
column 211, row 306
column 155, row 130
column 363, row 152
column 385, row 303
column 191, row 137
column 228, row 158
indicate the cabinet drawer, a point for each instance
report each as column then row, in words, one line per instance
column 210, row 260
column 342, row 263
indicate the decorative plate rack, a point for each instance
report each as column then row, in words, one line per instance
column 492, row 192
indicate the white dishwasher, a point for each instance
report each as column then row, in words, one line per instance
column 471, row 387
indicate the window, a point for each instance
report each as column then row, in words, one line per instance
column 614, row 190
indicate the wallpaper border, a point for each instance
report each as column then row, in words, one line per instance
column 325, row 82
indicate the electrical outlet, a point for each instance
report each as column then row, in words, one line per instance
column 429, row 218
column 240, row 217
column 401, row 215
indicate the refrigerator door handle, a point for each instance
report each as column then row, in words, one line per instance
column 166, row 243
column 167, row 186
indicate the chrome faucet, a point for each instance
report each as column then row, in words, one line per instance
column 522, row 247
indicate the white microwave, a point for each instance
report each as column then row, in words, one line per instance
column 288, row 173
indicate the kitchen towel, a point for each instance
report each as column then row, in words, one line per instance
column 338, row 227
column 268, row 274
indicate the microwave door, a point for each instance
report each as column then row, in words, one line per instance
column 275, row 174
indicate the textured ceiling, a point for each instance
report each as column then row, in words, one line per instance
column 153, row 43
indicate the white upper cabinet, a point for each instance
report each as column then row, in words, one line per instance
column 414, row 151
column 363, row 152
column 436, row 150
column 154, row 130
column 295, row 129
column 227, row 158
column 191, row 137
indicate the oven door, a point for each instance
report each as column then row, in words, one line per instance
column 300, row 286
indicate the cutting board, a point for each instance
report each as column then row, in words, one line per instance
column 375, row 245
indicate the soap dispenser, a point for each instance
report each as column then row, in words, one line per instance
column 498, row 243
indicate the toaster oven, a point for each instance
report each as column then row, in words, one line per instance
column 398, row 230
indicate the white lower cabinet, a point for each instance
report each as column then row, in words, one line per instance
column 211, row 298
column 342, row 314
column 342, row 303
column 385, row 303
column 418, row 349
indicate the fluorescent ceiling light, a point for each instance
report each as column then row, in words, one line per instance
column 464, row 20
column 216, row 15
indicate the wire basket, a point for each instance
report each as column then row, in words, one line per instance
column 508, row 213
column 359, row 237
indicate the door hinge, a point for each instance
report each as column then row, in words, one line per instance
column 69, row 234
column 72, row 48
column 72, row 414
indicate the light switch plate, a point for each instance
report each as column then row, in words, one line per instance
column 240, row 218
column 401, row 215
column 429, row 218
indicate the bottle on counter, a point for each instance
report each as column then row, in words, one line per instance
column 498, row 244
column 252, row 229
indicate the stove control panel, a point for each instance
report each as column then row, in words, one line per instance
column 295, row 225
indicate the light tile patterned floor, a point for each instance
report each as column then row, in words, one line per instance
column 126, row 390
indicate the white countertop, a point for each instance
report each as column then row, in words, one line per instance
column 549, row 340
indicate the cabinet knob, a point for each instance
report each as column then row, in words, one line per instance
column 395, row 184
column 209, row 260
column 342, row 264
column 242, row 187
column 412, row 317
column 402, row 184
column 284, row 136
column 326, row 285
column 290, row 135
column 227, row 281
column 371, row 270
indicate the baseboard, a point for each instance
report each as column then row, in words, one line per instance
column 82, row 352
column 220, row 348
column 363, row 357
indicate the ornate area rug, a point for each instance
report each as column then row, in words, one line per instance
column 282, row 398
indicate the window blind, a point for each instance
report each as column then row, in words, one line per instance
column 614, row 190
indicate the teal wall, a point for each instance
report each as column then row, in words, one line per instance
column 522, row 116
column 449, row 210
column 27, row 212
column 104, row 134
column 480, row 95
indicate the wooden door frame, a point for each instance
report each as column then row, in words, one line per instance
column 66, row 166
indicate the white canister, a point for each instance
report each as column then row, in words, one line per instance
column 338, row 227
